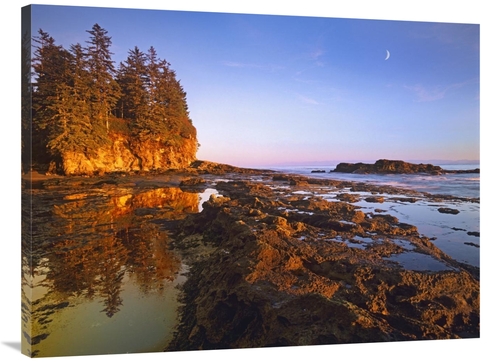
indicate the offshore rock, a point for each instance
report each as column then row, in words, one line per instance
column 394, row 167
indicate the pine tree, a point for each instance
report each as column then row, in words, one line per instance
column 154, row 122
column 71, row 123
column 49, row 64
column 177, row 110
column 166, row 117
column 132, row 79
column 81, row 80
column 105, row 90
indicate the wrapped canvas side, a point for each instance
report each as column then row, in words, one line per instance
column 26, row 186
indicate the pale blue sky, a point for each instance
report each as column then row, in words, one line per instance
column 269, row 90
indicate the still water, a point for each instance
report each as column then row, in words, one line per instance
column 102, row 278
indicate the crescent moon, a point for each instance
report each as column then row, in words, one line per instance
column 388, row 55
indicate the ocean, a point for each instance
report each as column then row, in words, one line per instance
column 461, row 185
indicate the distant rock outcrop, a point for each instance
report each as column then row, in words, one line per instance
column 394, row 167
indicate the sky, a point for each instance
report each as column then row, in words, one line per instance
column 280, row 90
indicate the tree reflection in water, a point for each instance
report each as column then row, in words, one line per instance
column 86, row 244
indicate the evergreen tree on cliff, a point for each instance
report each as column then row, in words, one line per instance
column 132, row 79
column 168, row 117
column 153, row 100
column 105, row 90
column 177, row 110
column 155, row 124
column 71, row 128
column 49, row 64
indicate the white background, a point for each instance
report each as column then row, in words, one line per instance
column 481, row 12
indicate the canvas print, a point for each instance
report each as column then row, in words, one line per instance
column 200, row 181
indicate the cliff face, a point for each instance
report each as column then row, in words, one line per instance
column 126, row 155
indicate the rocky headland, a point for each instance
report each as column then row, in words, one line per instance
column 394, row 167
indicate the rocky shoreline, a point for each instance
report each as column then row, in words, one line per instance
column 272, row 261
column 270, row 266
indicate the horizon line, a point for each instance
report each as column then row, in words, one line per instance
column 329, row 163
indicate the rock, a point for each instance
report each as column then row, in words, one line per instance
column 287, row 277
column 218, row 200
column 255, row 213
column 475, row 170
column 387, row 167
column 297, row 182
column 207, row 167
column 405, row 199
column 193, row 182
column 395, row 167
column 374, row 199
column 447, row 210
column 348, row 197
column 129, row 155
